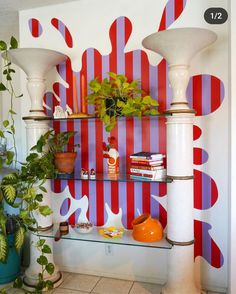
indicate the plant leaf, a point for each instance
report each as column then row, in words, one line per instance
column 3, row 248
column 46, row 249
column 5, row 123
column 2, row 87
column 14, row 43
column 50, row 268
column 43, row 189
column 10, row 156
column 3, row 45
column 42, row 260
column 45, row 210
column 19, row 238
column 9, row 193
column 18, row 283
column 12, row 111
column 41, row 242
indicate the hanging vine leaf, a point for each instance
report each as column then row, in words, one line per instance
column 19, row 238
column 45, row 210
column 5, row 123
column 50, row 268
column 2, row 87
column 14, row 43
column 3, row 45
column 9, row 193
column 3, row 248
column 18, row 283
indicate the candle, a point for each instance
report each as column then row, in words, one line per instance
column 83, row 103
column 75, row 96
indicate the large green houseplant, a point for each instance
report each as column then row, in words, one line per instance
column 116, row 97
column 22, row 188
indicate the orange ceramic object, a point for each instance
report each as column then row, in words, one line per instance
column 147, row 229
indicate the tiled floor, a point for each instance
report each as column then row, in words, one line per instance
column 82, row 284
column 78, row 284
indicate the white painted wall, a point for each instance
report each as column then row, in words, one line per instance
column 141, row 264
column 232, row 181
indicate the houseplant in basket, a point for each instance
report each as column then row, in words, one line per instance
column 116, row 97
column 59, row 145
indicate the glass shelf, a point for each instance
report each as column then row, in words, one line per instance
column 94, row 236
column 110, row 178
column 91, row 117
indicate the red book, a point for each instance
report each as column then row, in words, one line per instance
column 147, row 167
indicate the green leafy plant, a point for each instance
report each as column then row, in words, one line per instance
column 23, row 188
column 8, row 125
column 56, row 142
column 116, row 97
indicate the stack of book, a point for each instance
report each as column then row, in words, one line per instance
column 147, row 166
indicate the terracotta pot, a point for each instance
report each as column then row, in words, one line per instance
column 147, row 229
column 65, row 161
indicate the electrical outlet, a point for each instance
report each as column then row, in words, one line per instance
column 109, row 250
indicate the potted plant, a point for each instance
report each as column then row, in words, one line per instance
column 116, row 97
column 59, row 145
column 10, row 228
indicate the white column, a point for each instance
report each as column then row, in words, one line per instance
column 178, row 46
column 34, row 129
column 180, row 227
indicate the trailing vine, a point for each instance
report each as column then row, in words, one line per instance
column 8, row 125
column 24, row 188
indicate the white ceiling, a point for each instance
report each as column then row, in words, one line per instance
column 9, row 14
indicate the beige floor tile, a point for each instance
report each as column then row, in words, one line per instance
column 80, row 282
column 145, row 288
column 112, row 286
column 65, row 275
column 68, row 291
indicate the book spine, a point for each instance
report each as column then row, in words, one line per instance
column 148, row 163
column 146, row 178
column 147, row 157
column 148, row 172
column 147, row 167
column 143, row 175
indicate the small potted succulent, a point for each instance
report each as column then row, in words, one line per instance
column 59, row 145
column 116, row 97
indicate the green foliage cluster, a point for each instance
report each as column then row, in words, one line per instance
column 24, row 189
column 116, row 97
column 8, row 125
column 56, row 142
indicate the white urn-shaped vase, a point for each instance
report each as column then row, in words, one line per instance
column 35, row 62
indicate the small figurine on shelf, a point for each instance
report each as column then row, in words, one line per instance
column 92, row 174
column 59, row 112
column 112, row 155
column 84, row 174
column 111, row 232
